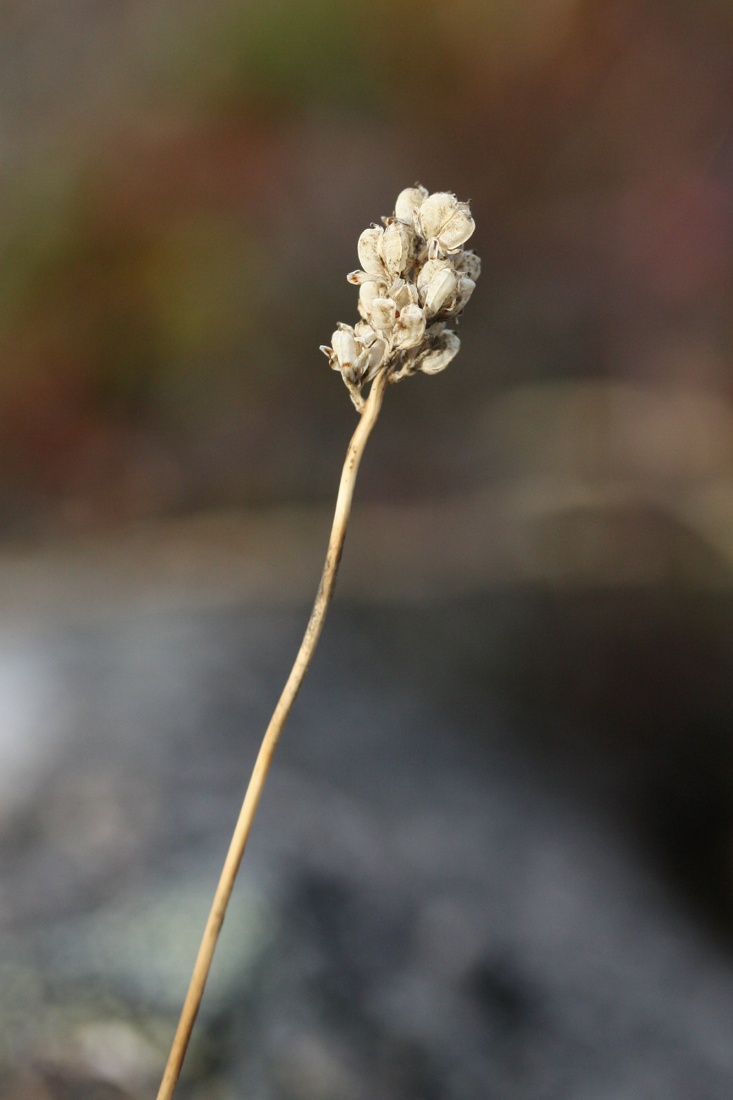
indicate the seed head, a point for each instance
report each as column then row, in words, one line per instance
column 415, row 275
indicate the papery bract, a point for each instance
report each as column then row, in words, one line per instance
column 408, row 201
column 414, row 276
column 444, row 221
column 436, row 358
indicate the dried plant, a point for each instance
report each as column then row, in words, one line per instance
column 414, row 281
column 415, row 277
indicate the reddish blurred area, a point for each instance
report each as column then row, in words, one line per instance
column 183, row 187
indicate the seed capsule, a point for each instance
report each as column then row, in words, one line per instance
column 369, row 250
column 410, row 328
column 408, row 201
column 382, row 314
column 344, row 348
column 396, row 247
column 440, row 291
column 468, row 263
column 444, row 221
column 438, row 357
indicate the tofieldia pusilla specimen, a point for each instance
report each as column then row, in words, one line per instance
column 415, row 278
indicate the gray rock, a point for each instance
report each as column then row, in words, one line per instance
column 437, row 900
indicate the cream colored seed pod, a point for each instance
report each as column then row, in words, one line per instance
column 368, row 292
column 408, row 201
column 468, row 263
column 437, row 358
column 445, row 223
column 343, row 343
column 374, row 349
column 382, row 315
column 464, row 289
column 403, row 293
column 395, row 246
column 410, row 328
column 369, row 251
column 440, row 289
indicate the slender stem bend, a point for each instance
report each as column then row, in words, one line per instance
column 368, row 419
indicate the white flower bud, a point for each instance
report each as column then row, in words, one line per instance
column 410, row 327
column 444, row 221
column 396, row 248
column 369, row 250
column 408, row 201
column 444, row 348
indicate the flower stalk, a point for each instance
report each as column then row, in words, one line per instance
column 415, row 276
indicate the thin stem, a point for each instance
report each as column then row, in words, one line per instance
column 238, row 842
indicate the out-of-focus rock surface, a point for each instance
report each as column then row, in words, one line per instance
column 493, row 857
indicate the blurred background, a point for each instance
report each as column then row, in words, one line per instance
column 182, row 192
column 538, row 577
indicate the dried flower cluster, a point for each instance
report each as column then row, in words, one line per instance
column 415, row 277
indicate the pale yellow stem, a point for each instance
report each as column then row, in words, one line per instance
column 238, row 842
